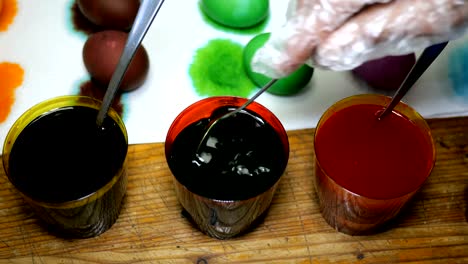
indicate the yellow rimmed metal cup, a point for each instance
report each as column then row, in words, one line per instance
column 96, row 210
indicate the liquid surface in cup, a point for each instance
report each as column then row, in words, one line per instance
column 243, row 157
column 62, row 155
column 378, row 159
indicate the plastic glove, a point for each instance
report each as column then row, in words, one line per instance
column 343, row 34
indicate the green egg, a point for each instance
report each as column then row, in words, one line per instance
column 288, row 85
column 236, row 13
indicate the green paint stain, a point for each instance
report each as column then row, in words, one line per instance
column 217, row 69
column 259, row 28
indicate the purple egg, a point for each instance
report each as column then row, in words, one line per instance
column 386, row 73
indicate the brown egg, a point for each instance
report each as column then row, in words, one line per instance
column 110, row 14
column 101, row 53
column 1, row 6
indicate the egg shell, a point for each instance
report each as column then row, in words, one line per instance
column 1, row 6
column 236, row 13
column 288, row 85
column 386, row 73
column 110, row 14
column 101, row 54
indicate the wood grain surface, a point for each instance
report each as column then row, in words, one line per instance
column 151, row 228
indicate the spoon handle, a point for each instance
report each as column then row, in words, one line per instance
column 237, row 110
column 257, row 94
column 143, row 20
column 424, row 61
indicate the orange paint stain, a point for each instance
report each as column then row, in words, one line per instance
column 11, row 77
column 8, row 10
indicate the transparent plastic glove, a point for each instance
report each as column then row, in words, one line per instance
column 343, row 34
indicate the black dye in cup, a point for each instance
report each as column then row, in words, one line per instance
column 227, row 187
column 72, row 173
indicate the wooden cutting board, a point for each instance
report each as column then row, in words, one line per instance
column 151, row 228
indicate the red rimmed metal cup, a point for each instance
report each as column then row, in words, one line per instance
column 245, row 154
column 367, row 169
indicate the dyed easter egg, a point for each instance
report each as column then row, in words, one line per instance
column 101, row 54
column 110, row 14
column 288, row 85
column 387, row 73
column 236, row 13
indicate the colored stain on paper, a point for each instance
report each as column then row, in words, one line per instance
column 80, row 23
column 458, row 67
column 92, row 89
column 217, row 69
column 8, row 11
column 11, row 76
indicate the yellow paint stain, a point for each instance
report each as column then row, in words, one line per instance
column 8, row 10
column 11, row 77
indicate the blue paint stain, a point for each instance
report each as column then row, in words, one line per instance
column 458, row 70
column 71, row 13
column 77, row 85
column 124, row 101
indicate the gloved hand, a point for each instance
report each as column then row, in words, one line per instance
column 342, row 34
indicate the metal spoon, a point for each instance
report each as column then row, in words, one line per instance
column 424, row 61
column 143, row 20
column 237, row 110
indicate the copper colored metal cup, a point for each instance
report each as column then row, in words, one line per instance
column 350, row 212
